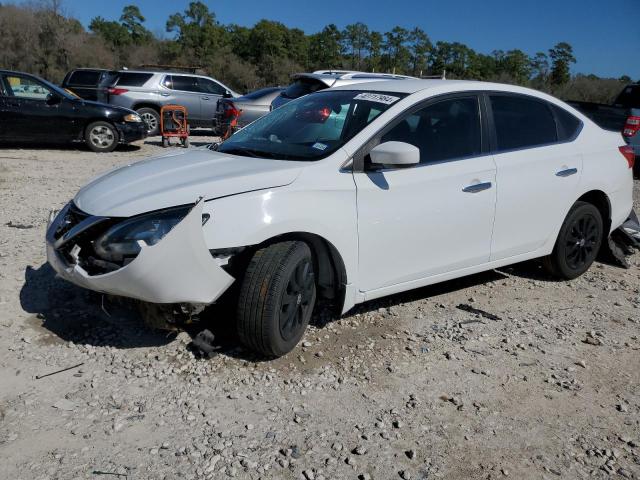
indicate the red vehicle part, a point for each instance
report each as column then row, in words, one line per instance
column 173, row 123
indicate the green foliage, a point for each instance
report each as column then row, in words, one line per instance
column 40, row 39
column 561, row 57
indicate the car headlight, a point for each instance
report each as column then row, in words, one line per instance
column 123, row 240
column 133, row 117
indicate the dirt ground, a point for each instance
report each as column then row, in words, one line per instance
column 408, row 387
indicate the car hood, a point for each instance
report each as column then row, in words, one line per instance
column 180, row 179
column 105, row 106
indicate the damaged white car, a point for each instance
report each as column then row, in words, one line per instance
column 347, row 195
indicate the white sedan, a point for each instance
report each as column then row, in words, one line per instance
column 347, row 195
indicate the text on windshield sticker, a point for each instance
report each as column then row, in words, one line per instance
column 376, row 97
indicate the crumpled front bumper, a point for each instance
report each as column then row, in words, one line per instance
column 178, row 269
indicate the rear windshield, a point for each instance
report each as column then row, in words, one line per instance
column 84, row 77
column 311, row 127
column 303, row 86
column 629, row 97
column 131, row 79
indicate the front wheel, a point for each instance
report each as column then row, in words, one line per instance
column 578, row 242
column 276, row 299
column 101, row 137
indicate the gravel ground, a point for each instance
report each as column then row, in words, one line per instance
column 408, row 387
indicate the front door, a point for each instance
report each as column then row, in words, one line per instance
column 185, row 92
column 30, row 117
column 435, row 217
column 211, row 93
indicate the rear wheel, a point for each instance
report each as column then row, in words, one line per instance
column 101, row 137
column 578, row 242
column 152, row 118
column 276, row 299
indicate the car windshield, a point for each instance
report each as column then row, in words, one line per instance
column 311, row 127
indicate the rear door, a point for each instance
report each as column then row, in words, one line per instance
column 186, row 92
column 538, row 171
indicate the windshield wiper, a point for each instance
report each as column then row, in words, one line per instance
column 244, row 152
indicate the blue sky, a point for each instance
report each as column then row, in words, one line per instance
column 605, row 34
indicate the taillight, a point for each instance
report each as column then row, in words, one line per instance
column 628, row 153
column 230, row 110
column 632, row 126
column 116, row 91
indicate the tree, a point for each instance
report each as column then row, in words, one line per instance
column 396, row 51
column 374, row 46
column 355, row 38
column 197, row 32
column 561, row 58
column 132, row 20
column 325, row 49
column 419, row 48
column 540, row 66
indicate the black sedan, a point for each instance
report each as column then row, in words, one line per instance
column 34, row 110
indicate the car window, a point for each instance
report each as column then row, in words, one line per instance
column 184, row 83
column 84, row 78
column 261, row 93
column 133, row 79
column 209, row 86
column 24, row 87
column 303, row 86
column 445, row 130
column 522, row 122
column 3, row 93
column 568, row 125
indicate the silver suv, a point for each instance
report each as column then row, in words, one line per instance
column 305, row 83
column 146, row 92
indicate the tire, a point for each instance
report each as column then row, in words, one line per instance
column 101, row 137
column 185, row 142
column 152, row 118
column 276, row 298
column 578, row 242
column 165, row 142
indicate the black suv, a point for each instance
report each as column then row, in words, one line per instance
column 89, row 83
column 34, row 110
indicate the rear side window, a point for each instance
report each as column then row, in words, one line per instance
column 568, row 125
column 184, row 83
column 209, row 86
column 131, row 79
column 445, row 130
column 85, row 78
column 303, row 86
column 522, row 122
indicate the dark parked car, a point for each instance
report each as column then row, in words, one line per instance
column 623, row 115
column 89, row 83
column 243, row 110
column 34, row 110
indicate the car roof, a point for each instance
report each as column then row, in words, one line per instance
column 410, row 86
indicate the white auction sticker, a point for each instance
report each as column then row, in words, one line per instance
column 376, row 97
column 319, row 146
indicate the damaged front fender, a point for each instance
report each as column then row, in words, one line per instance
column 178, row 269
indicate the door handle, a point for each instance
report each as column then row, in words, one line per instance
column 478, row 187
column 567, row 172
column 205, row 98
column 165, row 94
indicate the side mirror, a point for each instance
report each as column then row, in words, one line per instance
column 227, row 94
column 53, row 99
column 399, row 154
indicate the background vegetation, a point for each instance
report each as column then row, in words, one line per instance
column 41, row 39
